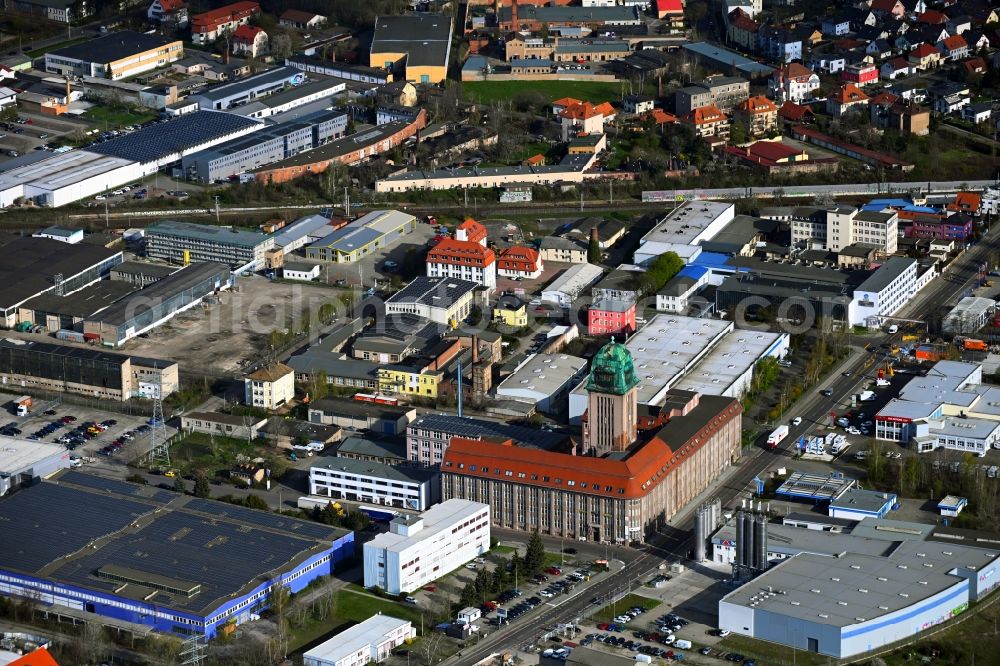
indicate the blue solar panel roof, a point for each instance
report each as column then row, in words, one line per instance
column 184, row 133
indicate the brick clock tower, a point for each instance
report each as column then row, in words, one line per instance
column 611, row 408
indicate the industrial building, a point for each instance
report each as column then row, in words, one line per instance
column 69, row 312
column 159, row 302
column 63, row 178
column 362, row 237
column 418, row 45
column 156, row 146
column 162, row 560
column 682, row 229
column 728, row 368
column 571, row 283
column 370, row 641
column 419, row 549
column 116, row 56
column 357, row 415
column 401, row 486
column 441, row 300
column 182, row 242
column 141, row 274
column 543, row 380
column 30, row 365
column 271, row 144
column 294, row 98
column 247, row 89
column 23, row 463
column 968, row 316
column 302, row 232
column 35, row 266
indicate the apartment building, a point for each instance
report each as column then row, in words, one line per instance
column 270, row 387
column 418, row 550
column 725, row 92
column 759, row 115
column 836, row 227
column 520, row 261
column 209, row 26
column 708, row 122
column 465, row 260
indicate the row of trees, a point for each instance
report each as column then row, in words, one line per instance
column 506, row 574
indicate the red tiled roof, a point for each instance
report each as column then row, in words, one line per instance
column 757, row 104
column 535, row 160
column 967, row 201
column 848, row 94
column 899, row 63
column 474, row 231
column 246, row 33
column 974, row 65
column 794, row 112
column 519, row 258
column 955, row 42
column 704, row 115
column 580, row 111
column 794, row 70
column 171, row 5
column 566, row 101
column 670, row 6
column 605, row 109
column 884, row 99
column 739, row 19
column 884, row 5
column 932, row 17
column 659, row 116
column 211, row 19
column 924, row 50
column 774, row 151
column 39, row 657
column 460, row 253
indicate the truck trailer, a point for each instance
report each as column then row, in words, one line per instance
column 775, row 437
column 22, row 405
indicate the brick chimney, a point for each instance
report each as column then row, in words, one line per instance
column 514, row 25
column 595, row 235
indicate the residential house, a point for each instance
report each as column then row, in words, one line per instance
column 741, row 29
column 847, row 98
column 300, row 20
column 511, row 311
column 860, row 75
column 708, row 122
column 171, row 14
column 249, row 40
column 723, row 92
column 520, row 262
column 899, row 114
column 670, row 12
column 879, row 49
column 896, row 68
column 796, row 113
column 830, row 63
column 932, row 17
column 951, row 103
column 888, row 8
column 792, row 82
column 958, row 25
column 808, row 34
column 637, row 104
column 915, row 6
column 977, row 41
column 924, row 57
column 465, row 260
column 270, row 387
column 978, row 113
column 983, row 14
column 975, row 66
column 779, row 44
column 209, row 26
column 954, row 48
column 760, row 116
column 835, row 26
column 585, row 117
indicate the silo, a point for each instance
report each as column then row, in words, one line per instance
column 747, row 545
column 760, row 543
column 716, row 514
column 700, row 536
column 739, row 538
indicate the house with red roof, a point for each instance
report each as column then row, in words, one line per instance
column 209, row 26
column 924, row 57
column 894, row 69
column 777, row 157
column 584, row 118
column 759, row 114
column 659, row 117
column 563, row 103
column 471, row 231
column 741, row 29
column 520, row 261
column 465, row 260
column 300, row 20
column 796, row 113
column 954, row 48
column 708, row 122
column 861, row 74
column 534, row 160
column 168, row 13
column 975, row 65
column 932, row 17
column 249, row 40
column 848, row 98
column 670, row 11
column 792, row 82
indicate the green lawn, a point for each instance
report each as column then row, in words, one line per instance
column 350, row 607
column 502, row 550
column 216, row 454
column 38, row 53
column 104, row 117
column 591, row 91
column 770, row 653
column 611, row 611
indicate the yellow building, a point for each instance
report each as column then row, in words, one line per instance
column 409, row 380
column 417, row 44
column 511, row 311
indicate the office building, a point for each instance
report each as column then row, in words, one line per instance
column 362, row 237
column 429, row 436
column 182, row 242
column 174, row 564
column 369, row 641
column 419, row 549
column 368, row 482
column 441, row 300
column 466, row 260
column 886, row 291
column 116, row 56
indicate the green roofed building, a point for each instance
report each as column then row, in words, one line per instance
column 610, row 423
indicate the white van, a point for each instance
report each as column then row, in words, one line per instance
column 893, row 329
column 682, row 644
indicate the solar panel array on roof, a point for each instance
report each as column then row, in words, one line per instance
column 274, row 521
column 115, row 486
column 188, row 131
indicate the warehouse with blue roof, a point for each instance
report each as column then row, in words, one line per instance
column 136, row 555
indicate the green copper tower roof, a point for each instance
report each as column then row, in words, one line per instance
column 612, row 370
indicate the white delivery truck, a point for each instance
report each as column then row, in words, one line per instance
column 775, row 437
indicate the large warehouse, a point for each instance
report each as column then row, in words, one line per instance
column 160, row 301
column 171, row 562
column 366, row 235
column 30, row 365
column 179, row 242
column 65, row 177
column 31, row 267
column 156, row 146
column 846, row 604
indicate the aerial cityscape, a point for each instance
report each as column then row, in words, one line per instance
column 499, row 332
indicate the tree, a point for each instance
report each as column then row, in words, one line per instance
column 256, row 502
column 281, row 46
column 594, row 251
column 179, row 485
column 534, row 556
column 469, row 596
column 201, row 487
column 278, row 600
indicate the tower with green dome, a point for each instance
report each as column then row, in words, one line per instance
column 612, row 400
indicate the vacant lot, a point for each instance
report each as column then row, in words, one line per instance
column 107, row 118
column 589, row 91
column 216, row 455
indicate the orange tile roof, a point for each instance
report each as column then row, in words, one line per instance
column 795, row 71
column 211, row 19
column 519, row 258
column 924, row 50
column 460, row 253
column 535, row 160
column 580, row 111
column 474, row 231
column 605, row 109
column 246, row 33
column 967, row 201
column 660, row 116
column 566, row 101
column 704, row 115
column 793, row 111
column 849, row 94
column 171, row 5
column 932, row 17
column 955, row 42
column 758, row 104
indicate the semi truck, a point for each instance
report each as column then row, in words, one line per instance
column 775, row 437
column 22, row 405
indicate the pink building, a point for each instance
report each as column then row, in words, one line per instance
column 611, row 317
column 860, row 75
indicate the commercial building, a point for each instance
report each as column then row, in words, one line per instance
column 617, row 493
column 174, row 564
column 26, row 365
column 386, row 452
column 861, row 602
column 543, row 380
column 440, row 300
column 23, row 462
column 965, row 435
column 209, row 26
column 36, row 266
column 140, row 274
column 727, row 369
column 181, row 242
column 429, row 436
column 889, row 288
column 271, row 144
column 968, row 316
column 376, row 76
column 517, row 17
column 401, row 486
column 270, row 387
column 418, row 45
column 248, row 89
column 364, row 236
column 682, row 230
column 466, row 260
column 355, row 415
column 157, row 303
column 369, row 641
column 62, row 178
column 61, row 11
column 511, row 311
column 156, row 146
column 116, row 56
column 420, row 549
column 858, row 504
column 299, row 98
column 304, row 231
column 570, row 284
column 717, row 58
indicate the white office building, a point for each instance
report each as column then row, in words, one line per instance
column 835, row 227
column 683, row 229
column 885, row 291
column 420, row 549
column 369, row 482
column 964, row 435
column 370, row 641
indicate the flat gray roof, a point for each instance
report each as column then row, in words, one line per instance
column 206, row 232
column 886, row 273
column 858, row 499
